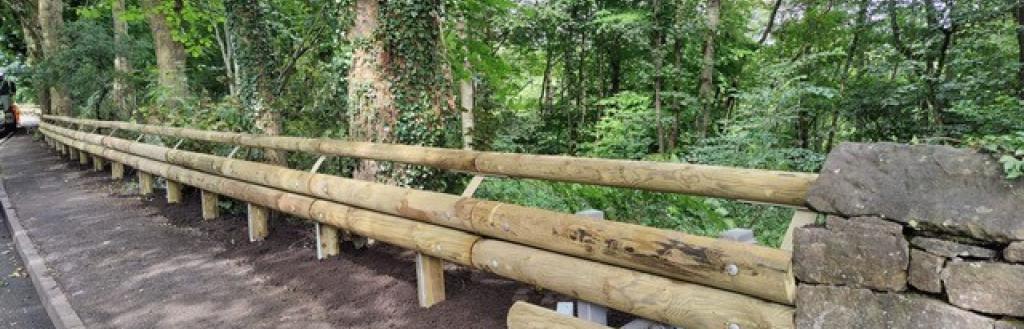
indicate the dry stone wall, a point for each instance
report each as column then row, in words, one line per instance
column 913, row 237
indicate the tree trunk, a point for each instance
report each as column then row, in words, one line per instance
column 862, row 16
column 1020, row 48
column 124, row 95
column 170, row 58
column 372, row 113
column 707, row 73
column 51, row 22
column 26, row 12
column 466, row 92
column 546, row 94
column 771, row 22
column 259, row 66
column 656, row 41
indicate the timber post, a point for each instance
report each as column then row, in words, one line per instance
column 98, row 163
column 83, row 157
column 259, row 226
column 116, row 170
column 429, row 280
column 145, row 183
column 209, row 202
column 173, row 192
column 327, row 243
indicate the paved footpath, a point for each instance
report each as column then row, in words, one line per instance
column 19, row 304
column 123, row 266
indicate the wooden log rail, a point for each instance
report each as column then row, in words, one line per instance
column 775, row 187
column 753, row 270
column 650, row 296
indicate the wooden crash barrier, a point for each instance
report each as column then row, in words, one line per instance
column 777, row 187
column 646, row 295
column 524, row 315
column 753, row 270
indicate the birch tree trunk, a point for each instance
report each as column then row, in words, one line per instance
column 124, row 95
column 171, row 58
column 51, row 22
column 707, row 73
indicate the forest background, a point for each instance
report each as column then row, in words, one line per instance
column 771, row 84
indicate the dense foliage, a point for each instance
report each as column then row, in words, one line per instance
column 779, row 82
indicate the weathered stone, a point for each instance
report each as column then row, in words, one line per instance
column 862, row 254
column 929, row 187
column 926, row 271
column 994, row 288
column 952, row 249
column 1014, row 253
column 842, row 307
column 1009, row 324
column 863, row 225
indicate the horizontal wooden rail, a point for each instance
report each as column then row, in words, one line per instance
column 753, row 270
column 776, row 187
column 650, row 296
column 524, row 315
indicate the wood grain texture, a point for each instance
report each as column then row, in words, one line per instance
column 646, row 295
column 210, row 200
column 98, row 164
column 682, row 304
column 524, row 315
column 173, row 192
column 145, row 183
column 327, row 243
column 429, row 280
column 116, row 170
column 763, row 272
column 259, row 222
column 776, row 187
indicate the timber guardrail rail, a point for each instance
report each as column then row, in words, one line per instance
column 667, row 276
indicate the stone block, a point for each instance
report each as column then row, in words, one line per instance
column 842, row 307
column 1009, row 324
column 929, row 187
column 1014, row 252
column 926, row 271
column 952, row 249
column 994, row 288
column 864, row 254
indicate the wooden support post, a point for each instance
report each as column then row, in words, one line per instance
column 145, row 183
column 83, row 158
column 259, row 227
column 116, row 170
column 173, row 192
column 210, row 208
column 430, row 270
column 429, row 280
column 801, row 218
column 98, row 163
column 72, row 153
column 327, row 244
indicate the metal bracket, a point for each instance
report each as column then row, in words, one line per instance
column 140, row 137
column 113, row 131
column 176, row 146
